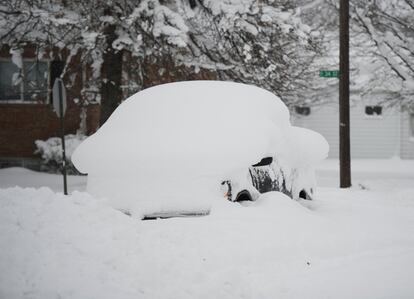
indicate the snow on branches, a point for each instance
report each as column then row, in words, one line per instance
column 389, row 25
column 258, row 42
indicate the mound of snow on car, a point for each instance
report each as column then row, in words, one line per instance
column 170, row 146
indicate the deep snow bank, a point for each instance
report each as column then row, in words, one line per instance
column 348, row 243
column 56, row 246
column 168, row 147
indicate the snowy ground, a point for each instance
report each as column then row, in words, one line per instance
column 356, row 243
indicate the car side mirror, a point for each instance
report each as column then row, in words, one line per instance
column 264, row 162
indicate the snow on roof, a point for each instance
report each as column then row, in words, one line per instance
column 205, row 126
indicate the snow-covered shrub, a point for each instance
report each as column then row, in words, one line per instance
column 51, row 151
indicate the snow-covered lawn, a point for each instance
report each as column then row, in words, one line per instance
column 356, row 243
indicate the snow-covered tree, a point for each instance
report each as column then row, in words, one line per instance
column 258, row 42
column 96, row 30
column 390, row 27
column 381, row 48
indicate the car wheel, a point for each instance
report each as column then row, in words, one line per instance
column 243, row 196
column 304, row 195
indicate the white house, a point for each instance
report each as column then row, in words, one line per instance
column 377, row 131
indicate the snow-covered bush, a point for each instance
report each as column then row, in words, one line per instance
column 51, row 151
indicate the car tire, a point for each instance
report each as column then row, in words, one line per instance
column 243, row 195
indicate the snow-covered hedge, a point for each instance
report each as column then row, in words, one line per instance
column 51, row 151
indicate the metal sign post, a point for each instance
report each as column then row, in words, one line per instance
column 59, row 105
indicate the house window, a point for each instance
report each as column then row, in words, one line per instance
column 29, row 84
column 302, row 110
column 373, row 110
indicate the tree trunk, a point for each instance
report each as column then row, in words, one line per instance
column 111, row 73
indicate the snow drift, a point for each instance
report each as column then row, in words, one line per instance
column 346, row 244
column 168, row 147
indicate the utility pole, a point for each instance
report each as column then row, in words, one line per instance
column 344, row 124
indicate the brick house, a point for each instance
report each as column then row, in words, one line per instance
column 26, row 112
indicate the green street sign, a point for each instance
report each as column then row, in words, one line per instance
column 329, row 74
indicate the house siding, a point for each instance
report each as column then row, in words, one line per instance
column 407, row 138
column 371, row 137
column 374, row 137
column 324, row 120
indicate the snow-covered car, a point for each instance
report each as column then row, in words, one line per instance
column 175, row 148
